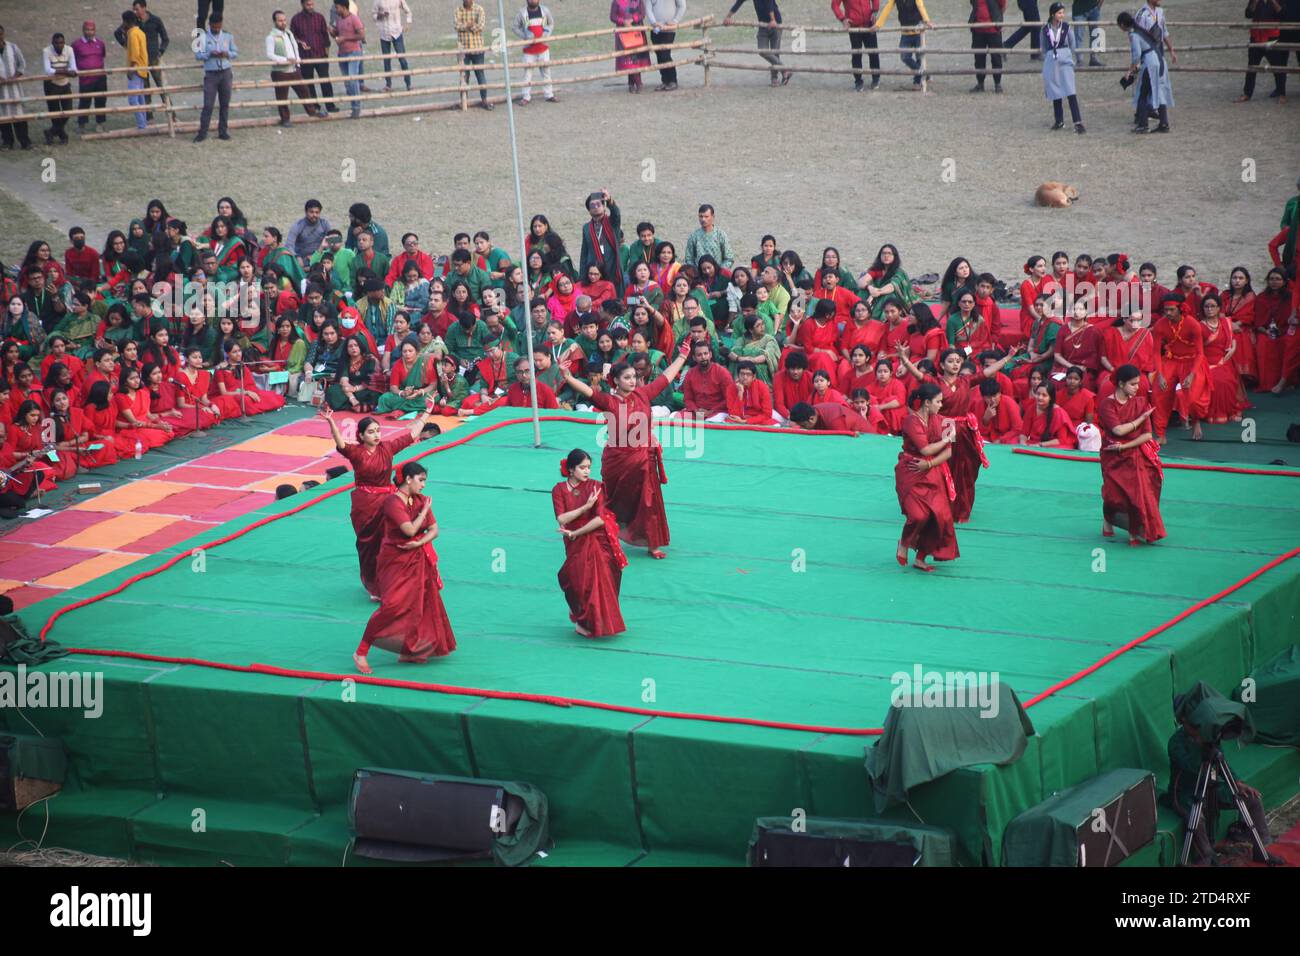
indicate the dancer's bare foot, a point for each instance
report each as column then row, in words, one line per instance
column 582, row 630
column 901, row 554
column 1196, row 432
column 1277, row 389
column 1107, row 529
column 657, row 554
column 362, row 665
column 921, row 565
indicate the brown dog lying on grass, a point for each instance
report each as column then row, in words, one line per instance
column 1055, row 195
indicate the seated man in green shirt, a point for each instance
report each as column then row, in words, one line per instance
column 464, row 272
column 343, row 274
column 467, row 339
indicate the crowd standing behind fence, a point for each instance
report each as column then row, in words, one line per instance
column 298, row 53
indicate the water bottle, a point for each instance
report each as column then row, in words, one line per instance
column 139, row 449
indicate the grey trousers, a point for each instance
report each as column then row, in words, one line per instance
column 216, row 86
column 769, row 38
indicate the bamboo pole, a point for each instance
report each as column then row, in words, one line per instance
column 190, row 126
column 1235, row 25
column 999, row 51
column 849, row 71
column 344, row 97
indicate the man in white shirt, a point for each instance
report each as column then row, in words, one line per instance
column 60, row 67
column 282, row 50
column 388, row 14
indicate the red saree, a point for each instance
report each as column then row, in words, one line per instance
column 372, row 471
column 593, row 564
column 1130, row 480
column 1227, row 394
column 923, row 496
column 632, row 466
column 411, row 622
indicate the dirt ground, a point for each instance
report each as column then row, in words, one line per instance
column 813, row 162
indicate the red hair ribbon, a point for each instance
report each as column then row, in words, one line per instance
column 1029, row 270
column 1123, row 263
column 564, row 467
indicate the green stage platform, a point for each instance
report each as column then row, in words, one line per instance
column 780, row 602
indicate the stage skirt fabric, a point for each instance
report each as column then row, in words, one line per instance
column 1130, row 480
column 411, row 620
column 593, row 564
column 373, row 470
column 924, row 496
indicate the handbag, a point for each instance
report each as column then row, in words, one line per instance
column 308, row 391
column 631, row 40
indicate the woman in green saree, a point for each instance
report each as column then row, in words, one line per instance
column 410, row 381
column 78, row 326
column 757, row 346
column 886, row 278
column 273, row 253
column 21, row 325
column 831, row 260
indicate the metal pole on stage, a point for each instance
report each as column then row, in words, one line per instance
column 519, row 212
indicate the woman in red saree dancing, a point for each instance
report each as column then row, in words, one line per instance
column 1131, row 473
column 924, row 485
column 968, row 452
column 593, row 558
column 371, row 459
column 411, row 621
column 633, row 461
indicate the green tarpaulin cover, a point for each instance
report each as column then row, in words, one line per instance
column 1045, row 835
column 924, row 740
column 1275, row 709
column 936, row 845
column 1209, row 712
column 35, row 758
column 531, row 833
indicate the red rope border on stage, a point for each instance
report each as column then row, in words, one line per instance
column 573, row 701
column 1229, row 469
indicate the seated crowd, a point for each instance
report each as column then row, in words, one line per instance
column 116, row 352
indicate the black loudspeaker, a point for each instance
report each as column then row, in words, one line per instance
column 1099, row 822
column 31, row 768
column 777, row 848
column 426, row 819
column 1130, row 825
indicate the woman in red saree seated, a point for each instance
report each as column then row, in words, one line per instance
column 633, row 461
column 1128, row 343
column 73, row 439
column 859, row 374
column 888, row 397
column 101, row 422
column 1277, row 341
column 135, row 423
column 1238, row 304
column 1131, row 473
column 968, row 450
column 1079, row 344
column 1000, row 421
column 164, row 404
column 1047, row 424
column 593, row 558
column 1078, row 402
column 371, row 458
column 235, row 381
column 195, row 386
column 922, row 481
column 25, row 438
column 1182, row 380
column 1227, row 393
column 411, row 620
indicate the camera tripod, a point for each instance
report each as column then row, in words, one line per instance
column 1214, row 766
